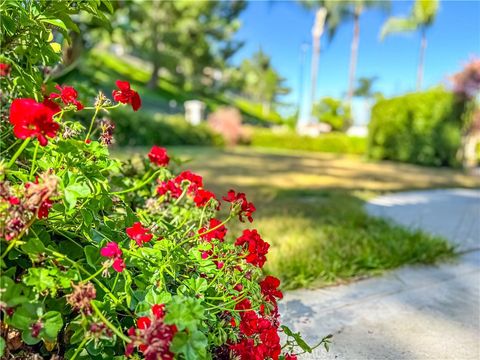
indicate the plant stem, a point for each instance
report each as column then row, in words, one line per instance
column 138, row 186
column 32, row 170
column 93, row 275
column 11, row 146
column 19, row 151
column 109, row 324
column 97, row 109
column 79, row 348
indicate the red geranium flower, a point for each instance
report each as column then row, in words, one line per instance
column 245, row 208
column 202, row 197
column 152, row 336
column 269, row 289
column 138, row 233
column 33, row 119
column 126, row 95
column 5, row 69
column 68, row 95
column 195, row 180
column 171, row 187
column 113, row 251
column 219, row 233
column 44, row 208
column 257, row 248
column 290, row 357
column 158, row 155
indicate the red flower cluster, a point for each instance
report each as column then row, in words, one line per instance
column 158, row 155
column 208, row 234
column 125, row 95
column 202, row 197
column 5, row 69
column 33, row 119
column 259, row 331
column 260, row 338
column 194, row 182
column 44, row 209
column 113, row 251
column 269, row 287
column 245, row 208
column 256, row 247
column 138, row 233
column 68, row 95
column 152, row 336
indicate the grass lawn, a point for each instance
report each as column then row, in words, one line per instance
column 310, row 209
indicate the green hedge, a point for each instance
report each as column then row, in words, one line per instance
column 133, row 129
column 330, row 143
column 422, row 128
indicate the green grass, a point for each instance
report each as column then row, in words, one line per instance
column 310, row 210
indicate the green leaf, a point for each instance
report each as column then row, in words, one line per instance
column 2, row 346
column 193, row 345
column 184, row 312
column 29, row 339
column 52, row 324
column 40, row 279
column 75, row 191
column 153, row 297
column 298, row 339
column 12, row 292
column 92, row 254
column 56, row 22
column 24, row 316
column 33, row 246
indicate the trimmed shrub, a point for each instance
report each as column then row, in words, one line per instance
column 422, row 128
column 329, row 143
column 133, row 129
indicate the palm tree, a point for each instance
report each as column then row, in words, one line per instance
column 421, row 18
column 354, row 9
column 324, row 18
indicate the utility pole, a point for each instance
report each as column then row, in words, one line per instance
column 303, row 54
column 317, row 32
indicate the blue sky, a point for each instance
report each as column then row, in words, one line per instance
column 281, row 27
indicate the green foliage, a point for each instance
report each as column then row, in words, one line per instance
column 421, row 128
column 92, row 247
column 258, row 80
column 133, row 129
column 186, row 39
column 31, row 36
column 333, row 112
column 330, row 143
column 421, row 16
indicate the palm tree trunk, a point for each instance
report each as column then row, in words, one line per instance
column 421, row 59
column 314, row 71
column 353, row 54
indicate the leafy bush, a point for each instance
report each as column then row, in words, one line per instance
column 422, row 128
column 92, row 247
column 148, row 129
column 31, row 36
column 330, row 143
column 333, row 112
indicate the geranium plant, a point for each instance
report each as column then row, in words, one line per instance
column 108, row 260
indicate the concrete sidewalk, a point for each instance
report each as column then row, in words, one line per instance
column 417, row 312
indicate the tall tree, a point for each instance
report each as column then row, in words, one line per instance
column 181, row 37
column 325, row 19
column 353, row 9
column 261, row 81
column 420, row 19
